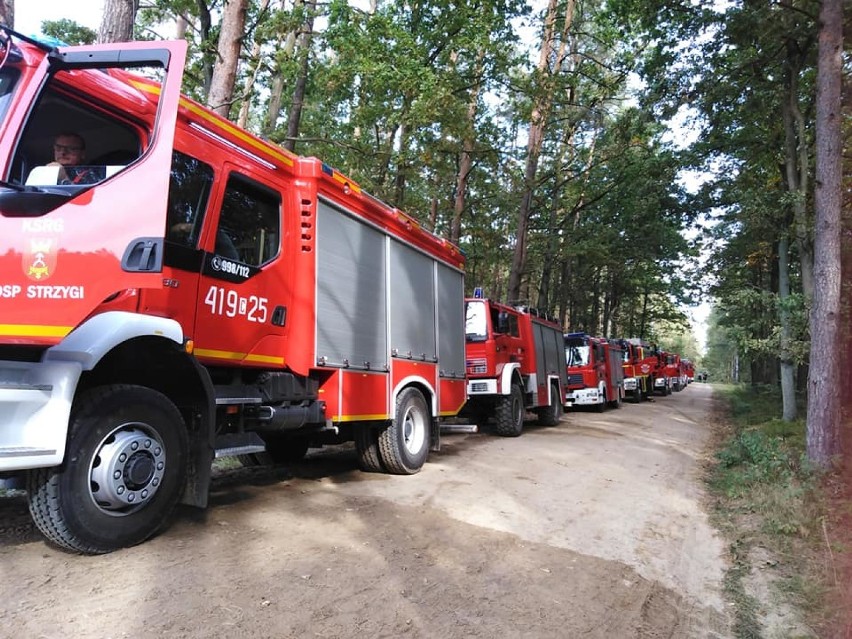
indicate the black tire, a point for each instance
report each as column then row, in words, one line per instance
column 124, row 470
column 637, row 395
column 602, row 406
column 509, row 413
column 616, row 403
column 404, row 444
column 367, row 447
column 552, row 414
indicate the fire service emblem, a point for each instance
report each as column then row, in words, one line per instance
column 40, row 262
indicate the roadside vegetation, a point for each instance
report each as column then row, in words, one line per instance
column 782, row 519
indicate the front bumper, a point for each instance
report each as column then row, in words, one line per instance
column 35, row 406
column 585, row 397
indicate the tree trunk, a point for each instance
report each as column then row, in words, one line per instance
column 276, row 92
column 251, row 77
column 228, row 57
column 466, row 159
column 118, row 20
column 788, row 366
column 541, row 108
column 823, row 421
column 205, row 22
column 7, row 13
column 796, row 164
column 294, row 118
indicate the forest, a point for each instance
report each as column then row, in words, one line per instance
column 611, row 162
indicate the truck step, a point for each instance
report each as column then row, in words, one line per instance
column 459, row 428
column 25, row 451
column 239, row 444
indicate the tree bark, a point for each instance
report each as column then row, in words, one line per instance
column 228, row 57
column 118, row 20
column 823, row 421
column 7, row 13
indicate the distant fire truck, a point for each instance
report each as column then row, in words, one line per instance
column 595, row 371
column 639, row 366
column 515, row 363
column 205, row 294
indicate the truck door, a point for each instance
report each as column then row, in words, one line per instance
column 242, row 296
column 64, row 248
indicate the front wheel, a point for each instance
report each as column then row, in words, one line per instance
column 123, row 473
column 404, row 444
column 509, row 413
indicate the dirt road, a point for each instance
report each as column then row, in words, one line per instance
column 595, row 528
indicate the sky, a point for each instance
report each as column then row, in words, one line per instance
column 29, row 15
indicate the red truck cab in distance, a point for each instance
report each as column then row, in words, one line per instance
column 595, row 371
column 515, row 363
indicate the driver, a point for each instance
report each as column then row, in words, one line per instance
column 69, row 153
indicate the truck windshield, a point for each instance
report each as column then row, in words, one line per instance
column 476, row 324
column 577, row 355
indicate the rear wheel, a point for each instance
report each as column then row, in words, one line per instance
column 550, row 415
column 404, row 444
column 509, row 413
column 123, row 472
column 367, row 447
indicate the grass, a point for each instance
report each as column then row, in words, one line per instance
column 768, row 499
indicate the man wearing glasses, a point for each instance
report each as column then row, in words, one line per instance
column 69, row 153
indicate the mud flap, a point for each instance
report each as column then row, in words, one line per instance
column 435, row 436
column 202, row 436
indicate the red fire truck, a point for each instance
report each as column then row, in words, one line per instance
column 208, row 295
column 675, row 372
column 689, row 370
column 638, row 380
column 664, row 381
column 595, row 371
column 515, row 362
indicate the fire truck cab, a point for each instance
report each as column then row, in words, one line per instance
column 515, row 363
column 595, row 371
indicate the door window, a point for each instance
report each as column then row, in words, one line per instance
column 249, row 223
column 189, row 190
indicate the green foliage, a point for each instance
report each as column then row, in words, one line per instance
column 68, row 31
column 762, row 468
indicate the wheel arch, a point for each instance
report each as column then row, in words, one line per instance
column 509, row 374
column 129, row 348
column 421, row 384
